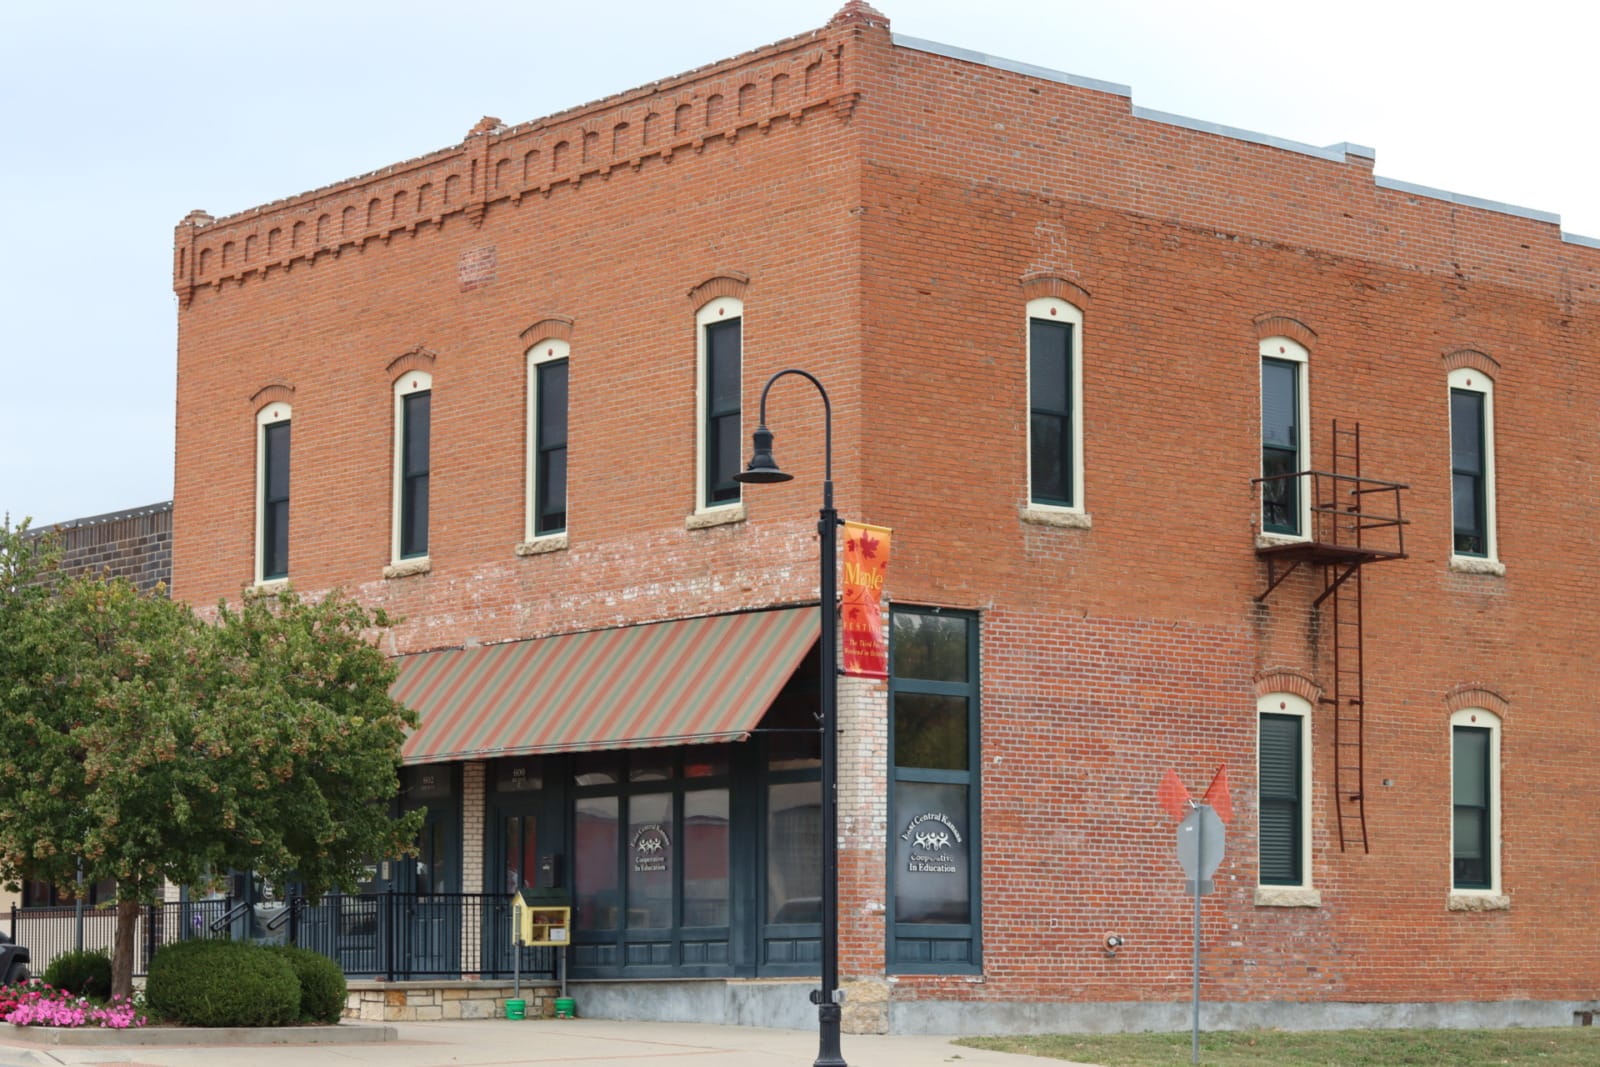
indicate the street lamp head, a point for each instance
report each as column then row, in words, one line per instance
column 762, row 468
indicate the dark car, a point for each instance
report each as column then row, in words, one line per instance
column 13, row 962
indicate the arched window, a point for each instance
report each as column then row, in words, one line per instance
column 1472, row 464
column 413, row 402
column 1055, row 405
column 1475, row 802
column 1283, row 782
column 719, row 326
column 547, row 439
column 1285, row 444
column 272, row 492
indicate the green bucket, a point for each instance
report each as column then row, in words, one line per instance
column 516, row 1009
column 565, row 1008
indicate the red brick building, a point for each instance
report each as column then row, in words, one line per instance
column 1065, row 339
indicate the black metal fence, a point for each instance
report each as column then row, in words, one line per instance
column 391, row 935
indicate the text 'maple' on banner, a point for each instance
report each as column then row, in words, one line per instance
column 866, row 639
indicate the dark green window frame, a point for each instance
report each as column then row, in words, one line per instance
column 550, row 448
column 1472, row 794
column 1281, row 784
column 416, row 418
column 721, row 440
column 1469, row 471
column 933, row 749
column 275, row 500
column 1050, row 423
column 1282, row 444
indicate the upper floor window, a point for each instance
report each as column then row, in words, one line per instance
column 1284, row 445
column 720, row 327
column 413, row 395
column 272, row 492
column 1472, row 462
column 1283, row 771
column 1055, row 424
column 547, row 438
column 1475, row 799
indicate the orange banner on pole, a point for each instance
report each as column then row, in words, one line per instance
column 865, row 640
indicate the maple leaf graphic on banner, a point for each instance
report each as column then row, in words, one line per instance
column 869, row 546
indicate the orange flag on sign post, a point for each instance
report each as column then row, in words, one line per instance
column 1217, row 795
column 865, row 641
column 1172, row 796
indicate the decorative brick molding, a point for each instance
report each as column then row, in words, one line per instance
column 494, row 165
column 725, row 283
column 1277, row 324
column 1039, row 284
column 272, row 393
column 556, row 326
column 418, row 358
column 1286, row 680
column 1471, row 358
column 1474, row 695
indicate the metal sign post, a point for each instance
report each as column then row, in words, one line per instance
column 1201, row 841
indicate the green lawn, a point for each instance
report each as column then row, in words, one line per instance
column 1566, row 1047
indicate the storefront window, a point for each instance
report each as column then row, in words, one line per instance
column 595, row 866
column 794, row 852
column 652, row 836
column 705, row 857
column 933, row 847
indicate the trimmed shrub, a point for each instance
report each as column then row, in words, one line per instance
column 86, row 973
column 221, row 983
column 322, row 984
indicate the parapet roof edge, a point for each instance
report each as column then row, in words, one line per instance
column 100, row 520
column 950, row 51
column 1334, row 153
column 1465, row 200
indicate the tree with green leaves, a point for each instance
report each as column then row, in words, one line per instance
column 156, row 746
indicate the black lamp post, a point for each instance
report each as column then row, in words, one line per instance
column 761, row 470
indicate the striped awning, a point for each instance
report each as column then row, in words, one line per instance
column 690, row 681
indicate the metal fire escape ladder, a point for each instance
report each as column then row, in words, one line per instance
column 1349, row 674
column 1354, row 521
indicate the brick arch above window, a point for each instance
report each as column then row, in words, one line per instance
column 418, row 358
column 1038, row 285
column 1285, row 680
column 1473, row 695
column 279, row 392
column 556, row 326
column 1277, row 324
column 1471, row 359
column 724, row 283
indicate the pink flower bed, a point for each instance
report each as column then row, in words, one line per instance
column 37, row 1004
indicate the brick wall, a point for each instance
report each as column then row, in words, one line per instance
column 134, row 544
column 885, row 213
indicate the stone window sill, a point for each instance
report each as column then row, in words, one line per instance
column 1287, row 896
column 1063, row 517
column 1273, row 540
column 539, row 546
column 704, row 520
column 408, row 567
column 1484, row 901
column 270, row 587
column 1477, row 565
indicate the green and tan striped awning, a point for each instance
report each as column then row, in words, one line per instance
column 690, row 681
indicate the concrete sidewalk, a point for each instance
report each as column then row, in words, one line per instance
column 534, row 1043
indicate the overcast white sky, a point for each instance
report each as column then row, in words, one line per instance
column 118, row 118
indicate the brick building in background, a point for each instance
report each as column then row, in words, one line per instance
column 135, row 544
column 1066, row 339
